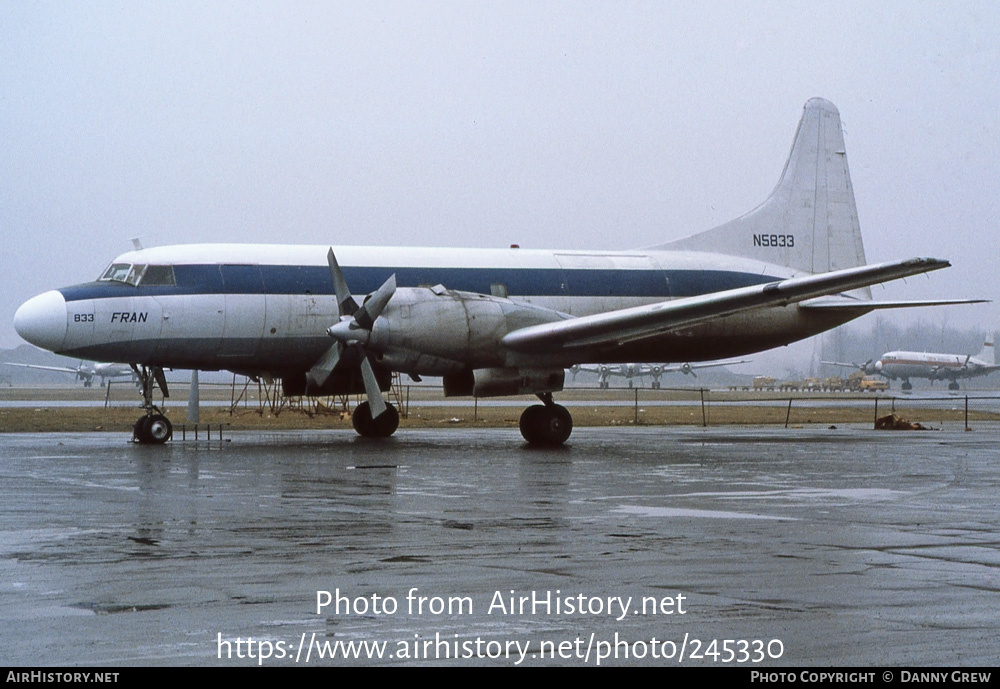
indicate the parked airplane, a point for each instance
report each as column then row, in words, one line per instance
column 902, row 365
column 629, row 371
column 490, row 322
column 86, row 371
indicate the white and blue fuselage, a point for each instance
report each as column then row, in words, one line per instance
column 266, row 308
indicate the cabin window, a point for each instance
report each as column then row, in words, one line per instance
column 158, row 276
column 498, row 289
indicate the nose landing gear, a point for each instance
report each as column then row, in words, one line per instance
column 153, row 428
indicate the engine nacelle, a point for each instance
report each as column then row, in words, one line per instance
column 436, row 331
column 498, row 382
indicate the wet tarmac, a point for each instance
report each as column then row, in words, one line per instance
column 788, row 547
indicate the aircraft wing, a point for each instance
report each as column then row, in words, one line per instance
column 845, row 364
column 45, row 368
column 689, row 367
column 625, row 325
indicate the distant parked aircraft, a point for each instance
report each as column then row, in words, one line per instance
column 87, row 371
column 655, row 371
column 904, row 365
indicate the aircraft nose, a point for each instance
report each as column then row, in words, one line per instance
column 42, row 320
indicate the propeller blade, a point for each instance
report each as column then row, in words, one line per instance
column 353, row 328
column 322, row 369
column 345, row 302
column 376, row 403
column 370, row 310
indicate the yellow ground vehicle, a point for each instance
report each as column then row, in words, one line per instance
column 873, row 384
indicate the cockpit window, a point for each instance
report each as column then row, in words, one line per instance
column 139, row 274
column 116, row 272
column 135, row 274
column 158, row 275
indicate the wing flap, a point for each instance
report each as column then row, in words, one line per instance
column 625, row 325
column 849, row 304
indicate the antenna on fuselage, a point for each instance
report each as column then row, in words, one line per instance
column 137, row 243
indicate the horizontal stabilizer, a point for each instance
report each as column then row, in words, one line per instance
column 626, row 325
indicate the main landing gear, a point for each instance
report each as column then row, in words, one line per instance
column 384, row 425
column 153, row 428
column 546, row 424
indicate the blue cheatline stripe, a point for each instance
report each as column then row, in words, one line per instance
column 533, row 282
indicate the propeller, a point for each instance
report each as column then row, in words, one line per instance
column 687, row 369
column 85, row 373
column 353, row 329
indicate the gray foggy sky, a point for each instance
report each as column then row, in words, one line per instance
column 574, row 125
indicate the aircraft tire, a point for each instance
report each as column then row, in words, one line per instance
column 382, row 427
column 529, row 422
column 158, row 429
column 140, row 433
column 546, row 425
column 152, row 430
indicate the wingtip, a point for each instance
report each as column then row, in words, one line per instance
column 930, row 263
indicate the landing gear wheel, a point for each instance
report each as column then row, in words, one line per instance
column 152, row 430
column 382, row 427
column 953, row 385
column 546, row 424
column 159, row 429
column 907, row 385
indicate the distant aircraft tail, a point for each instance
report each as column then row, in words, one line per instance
column 987, row 354
column 810, row 221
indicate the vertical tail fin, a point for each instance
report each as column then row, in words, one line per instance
column 987, row 354
column 810, row 221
